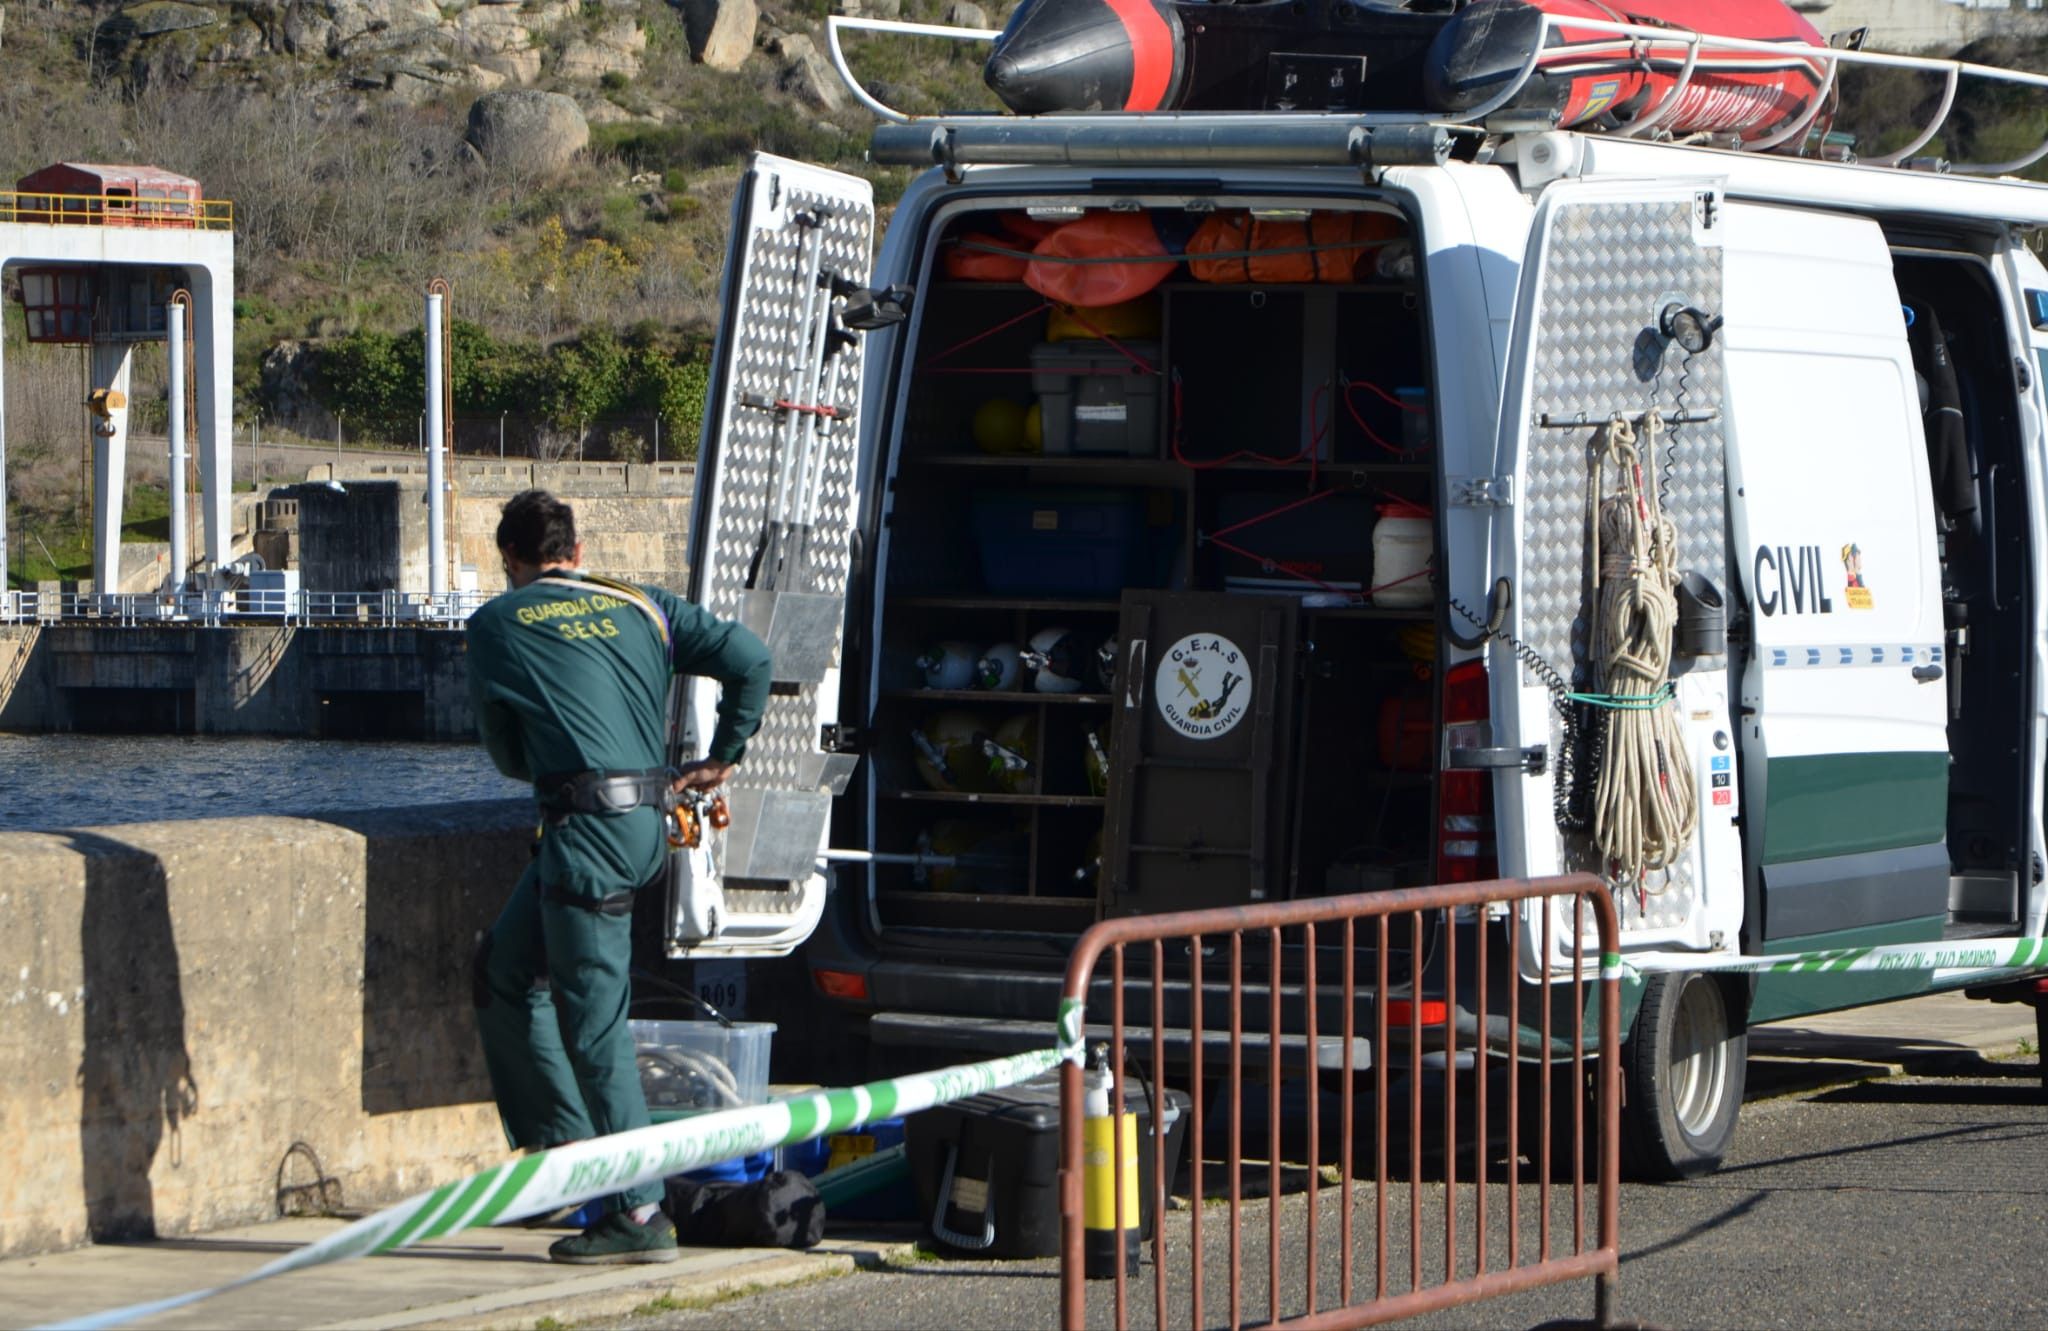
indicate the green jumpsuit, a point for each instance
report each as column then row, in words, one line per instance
column 571, row 674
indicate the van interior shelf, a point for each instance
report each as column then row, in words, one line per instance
column 1025, row 603
column 998, row 696
column 1051, row 507
column 986, row 797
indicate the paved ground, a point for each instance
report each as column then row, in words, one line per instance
column 1904, row 1202
column 1907, row 1201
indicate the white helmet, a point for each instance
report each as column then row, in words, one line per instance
column 999, row 668
column 948, row 665
column 1058, row 660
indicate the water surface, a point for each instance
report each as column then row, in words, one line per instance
column 49, row 782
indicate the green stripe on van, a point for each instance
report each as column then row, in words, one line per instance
column 1845, row 803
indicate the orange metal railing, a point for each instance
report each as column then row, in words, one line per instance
column 1500, row 1057
column 117, row 210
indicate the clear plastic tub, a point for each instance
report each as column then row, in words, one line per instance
column 694, row 1066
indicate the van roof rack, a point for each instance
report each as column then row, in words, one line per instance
column 1298, row 138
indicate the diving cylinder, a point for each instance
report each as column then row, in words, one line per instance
column 1102, row 1181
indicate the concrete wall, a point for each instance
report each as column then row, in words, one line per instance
column 1934, row 26
column 268, row 679
column 201, row 1016
column 634, row 519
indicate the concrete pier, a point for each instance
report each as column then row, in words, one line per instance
column 342, row 682
column 212, row 1023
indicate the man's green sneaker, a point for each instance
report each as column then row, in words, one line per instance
column 618, row 1238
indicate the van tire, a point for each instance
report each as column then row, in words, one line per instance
column 1682, row 1075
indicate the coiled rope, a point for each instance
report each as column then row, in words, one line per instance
column 1646, row 807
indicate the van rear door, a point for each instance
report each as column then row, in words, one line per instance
column 1605, row 260
column 770, row 545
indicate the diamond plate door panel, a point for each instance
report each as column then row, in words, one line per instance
column 1611, row 266
column 772, row 529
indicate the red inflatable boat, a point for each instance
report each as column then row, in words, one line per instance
column 1360, row 55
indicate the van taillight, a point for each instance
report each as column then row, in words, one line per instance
column 1464, row 841
column 841, row 984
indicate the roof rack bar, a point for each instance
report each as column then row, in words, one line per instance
column 835, row 22
column 1669, row 102
column 1139, row 140
column 1948, row 101
column 1797, row 129
column 1324, row 136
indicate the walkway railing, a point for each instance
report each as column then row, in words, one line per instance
column 1477, row 1059
column 117, row 210
column 389, row 609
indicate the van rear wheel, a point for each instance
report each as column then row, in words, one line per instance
column 1682, row 1075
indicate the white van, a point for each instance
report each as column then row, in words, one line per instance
column 914, row 472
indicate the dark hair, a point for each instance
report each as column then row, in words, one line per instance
column 538, row 528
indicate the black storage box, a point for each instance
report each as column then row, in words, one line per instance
column 996, row 1157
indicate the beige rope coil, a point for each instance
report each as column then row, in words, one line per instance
column 1646, row 806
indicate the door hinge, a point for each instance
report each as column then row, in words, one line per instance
column 1481, row 491
column 1530, row 760
column 839, row 739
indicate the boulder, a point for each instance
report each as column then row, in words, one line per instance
column 525, row 132
column 416, row 85
column 489, row 30
column 810, row 78
column 791, row 45
column 965, row 14
column 721, row 32
column 614, row 50
column 242, row 41
column 517, row 66
column 153, row 18
column 591, row 61
column 884, row 8
column 308, row 30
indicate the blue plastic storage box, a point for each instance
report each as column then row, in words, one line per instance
column 1085, row 543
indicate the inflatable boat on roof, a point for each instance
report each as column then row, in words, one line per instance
column 1356, row 55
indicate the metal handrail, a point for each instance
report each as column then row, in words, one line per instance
column 1646, row 44
column 249, row 605
column 45, row 208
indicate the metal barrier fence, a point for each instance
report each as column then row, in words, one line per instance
column 1461, row 1028
column 272, row 605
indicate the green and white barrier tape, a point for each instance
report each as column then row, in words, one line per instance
column 570, row 1175
column 1989, row 954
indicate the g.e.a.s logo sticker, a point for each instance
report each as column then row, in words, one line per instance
column 1204, row 686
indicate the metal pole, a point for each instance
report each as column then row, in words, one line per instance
column 657, row 437
column 180, row 555
column 437, row 563
column 501, row 436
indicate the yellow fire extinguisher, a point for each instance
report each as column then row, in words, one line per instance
column 1102, row 1181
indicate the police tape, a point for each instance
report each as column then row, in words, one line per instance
column 570, row 1175
column 1988, row 954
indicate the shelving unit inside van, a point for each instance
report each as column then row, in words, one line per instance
column 1210, row 438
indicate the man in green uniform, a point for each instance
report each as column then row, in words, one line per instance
column 569, row 674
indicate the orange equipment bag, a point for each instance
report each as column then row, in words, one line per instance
column 1016, row 231
column 1100, row 235
column 1325, row 247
